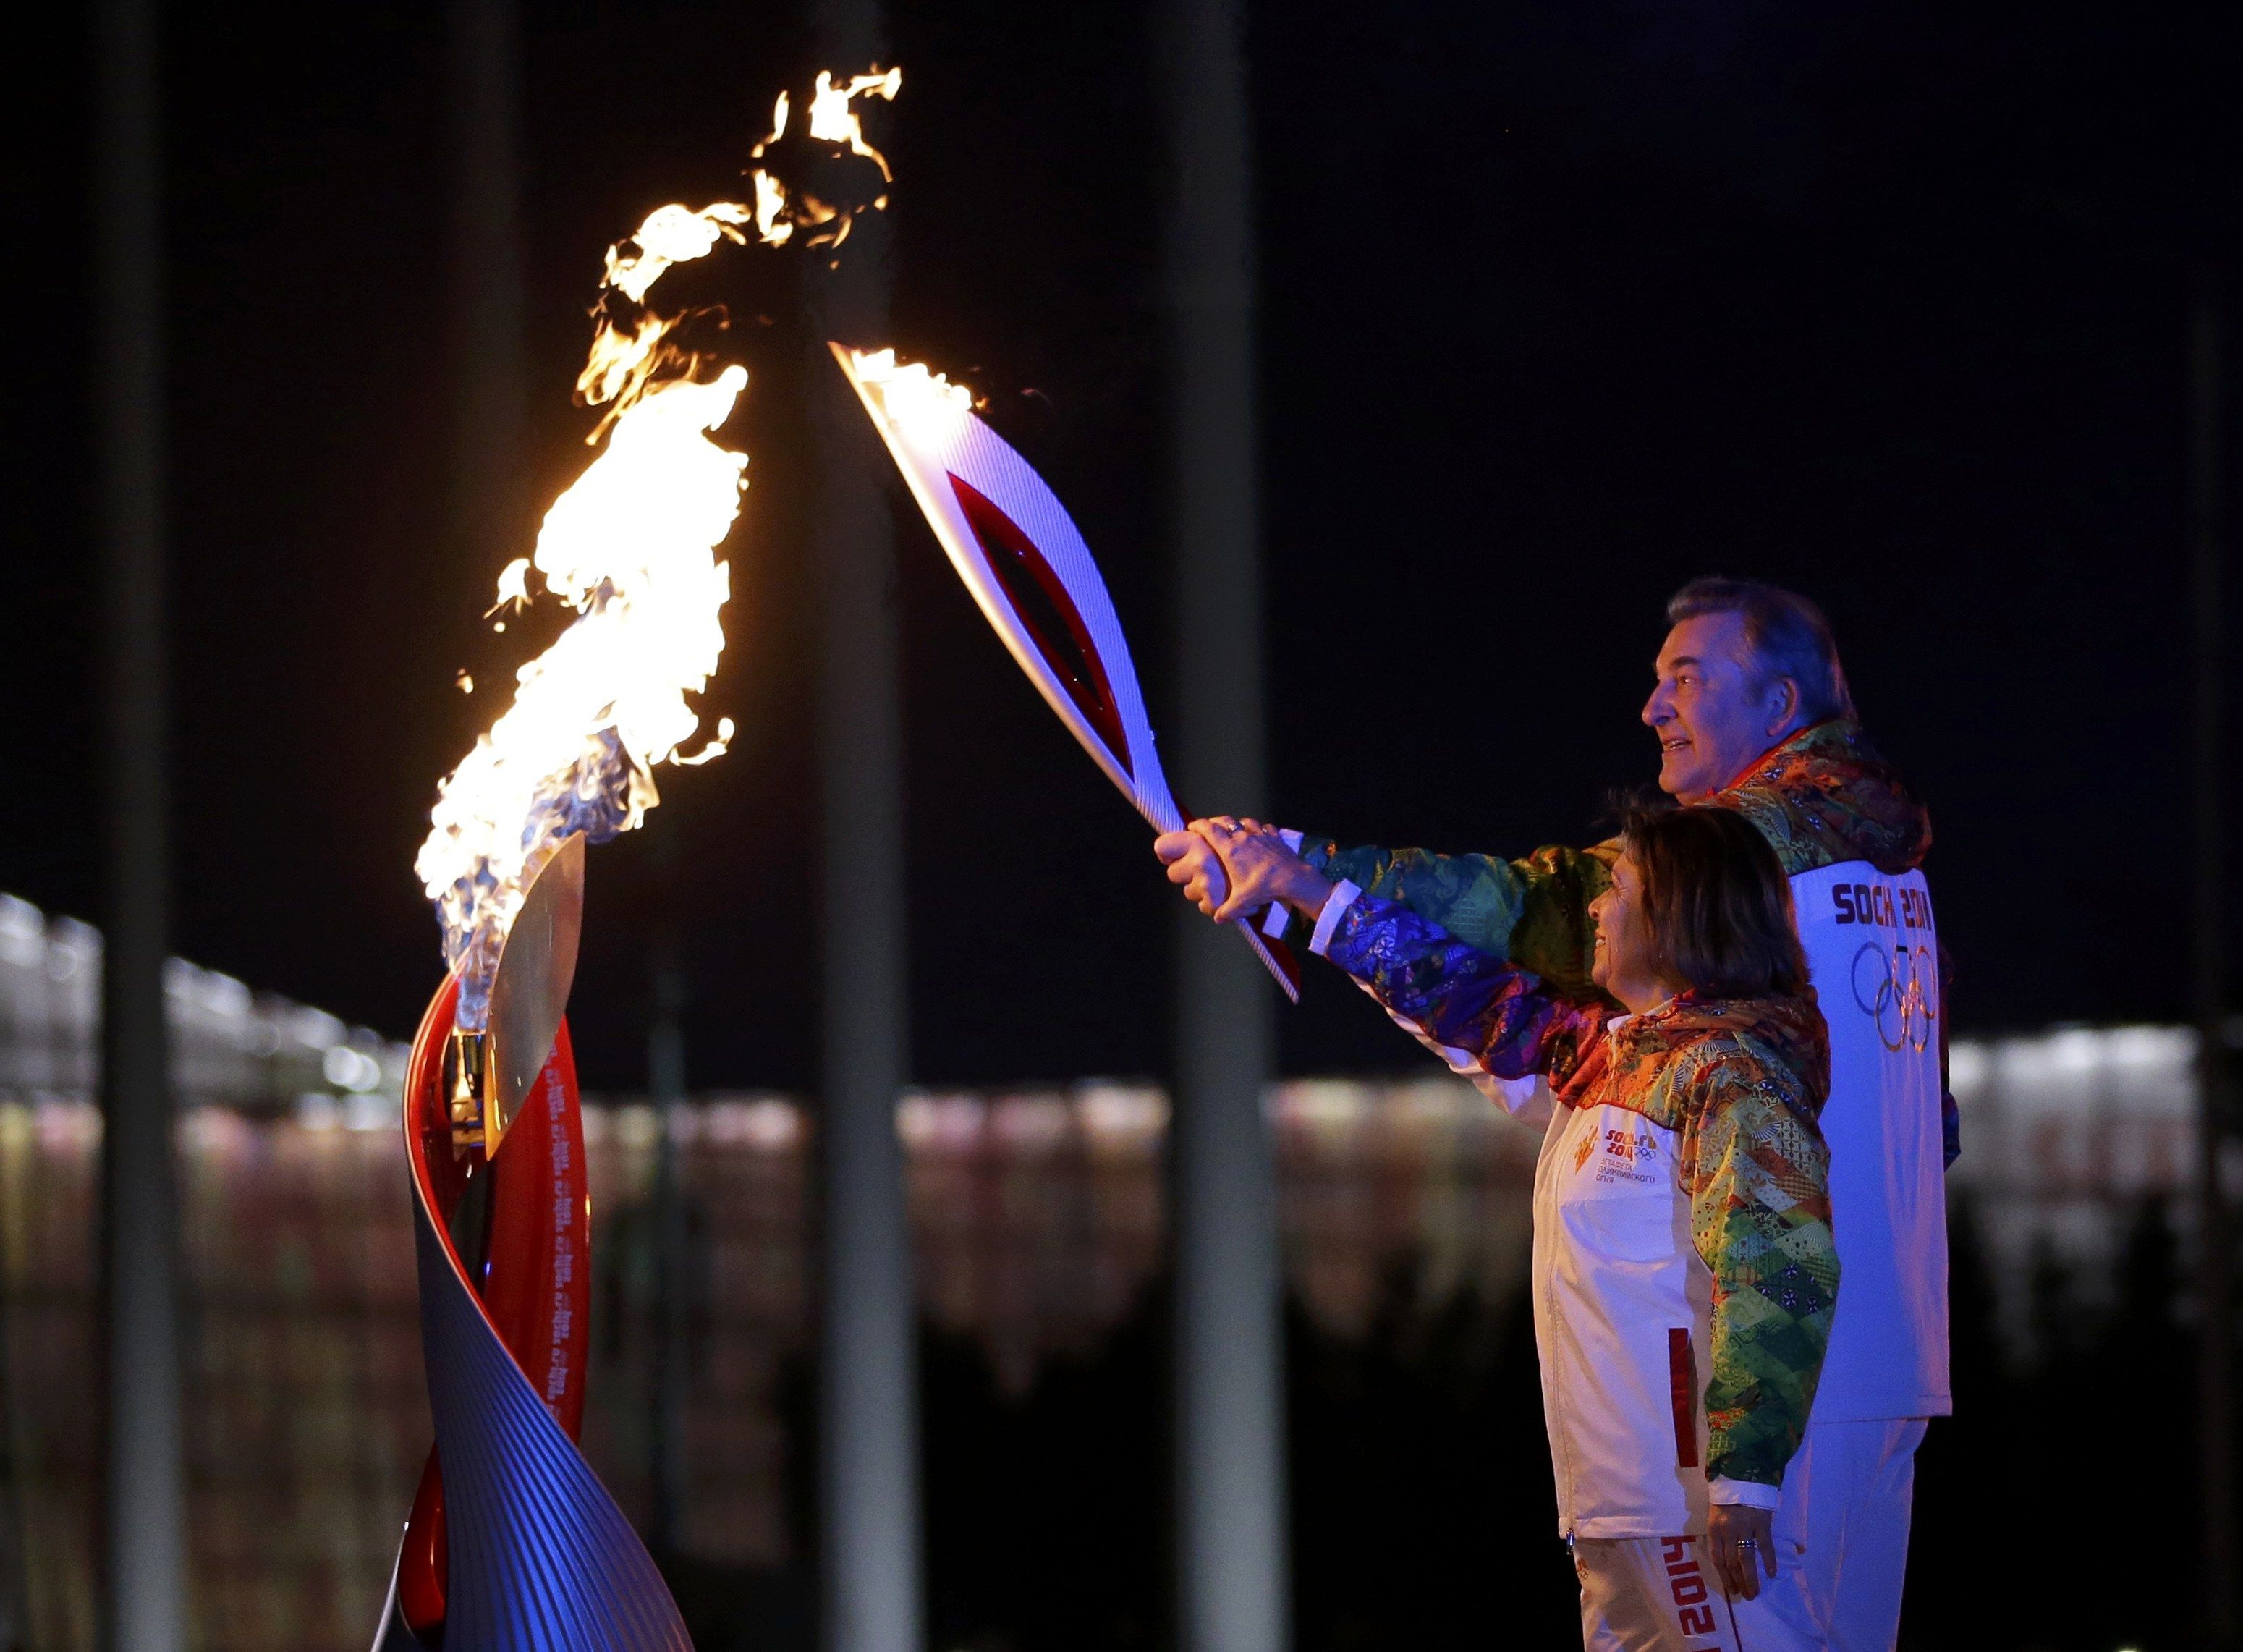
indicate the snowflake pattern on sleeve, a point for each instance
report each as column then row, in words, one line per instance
column 1456, row 995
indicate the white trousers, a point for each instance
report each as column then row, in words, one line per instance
column 1652, row 1594
column 1842, row 1542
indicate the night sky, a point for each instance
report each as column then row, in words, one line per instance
column 1562, row 305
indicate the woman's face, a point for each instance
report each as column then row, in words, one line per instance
column 1623, row 963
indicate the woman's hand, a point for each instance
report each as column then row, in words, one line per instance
column 1260, row 869
column 1742, row 1539
column 1195, row 867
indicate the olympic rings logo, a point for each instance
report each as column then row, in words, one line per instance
column 1897, row 989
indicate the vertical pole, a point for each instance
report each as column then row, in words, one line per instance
column 1229, row 1371
column 868, row 1424
column 488, row 487
column 2216, row 1398
column 145, row 1513
column 665, row 1062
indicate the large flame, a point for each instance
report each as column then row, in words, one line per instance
column 631, row 547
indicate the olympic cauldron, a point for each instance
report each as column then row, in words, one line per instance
column 513, row 1545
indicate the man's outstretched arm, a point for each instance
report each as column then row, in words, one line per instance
column 1533, row 911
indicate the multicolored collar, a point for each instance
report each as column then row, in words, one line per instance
column 1631, row 1065
column 1827, row 794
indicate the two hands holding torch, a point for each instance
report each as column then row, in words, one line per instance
column 1232, row 867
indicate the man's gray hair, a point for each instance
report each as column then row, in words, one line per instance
column 1787, row 633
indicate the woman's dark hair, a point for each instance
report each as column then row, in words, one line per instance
column 1716, row 903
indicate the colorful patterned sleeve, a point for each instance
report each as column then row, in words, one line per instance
column 1455, row 995
column 1533, row 911
column 1757, row 1172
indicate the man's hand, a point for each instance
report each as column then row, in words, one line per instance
column 1261, row 869
column 1743, row 1543
column 1195, row 867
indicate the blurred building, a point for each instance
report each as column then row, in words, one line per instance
column 1038, row 1219
column 304, row 1350
column 2068, row 1134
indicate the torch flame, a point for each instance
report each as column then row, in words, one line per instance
column 909, row 389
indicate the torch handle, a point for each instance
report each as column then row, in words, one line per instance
column 1160, row 810
column 1276, row 957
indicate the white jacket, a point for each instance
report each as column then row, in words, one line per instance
column 1623, row 1299
column 1874, row 952
column 1622, row 1314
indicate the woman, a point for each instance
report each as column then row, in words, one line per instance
column 1684, row 1276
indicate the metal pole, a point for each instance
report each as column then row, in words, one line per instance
column 145, row 1527
column 667, row 1479
column 2216, row 1396
column 488, row 485
column 1229, row 1371
column 869, row 1552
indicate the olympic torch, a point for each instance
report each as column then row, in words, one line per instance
column 1023, row 557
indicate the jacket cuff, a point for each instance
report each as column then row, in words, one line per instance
column 1343, row 895
column 1277, row 917
column 1749, row 1493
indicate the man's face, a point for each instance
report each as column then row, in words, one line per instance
column 1712, row 718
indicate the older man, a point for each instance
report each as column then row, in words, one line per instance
column 1753, row 713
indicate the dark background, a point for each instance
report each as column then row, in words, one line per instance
column 1561, row 304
